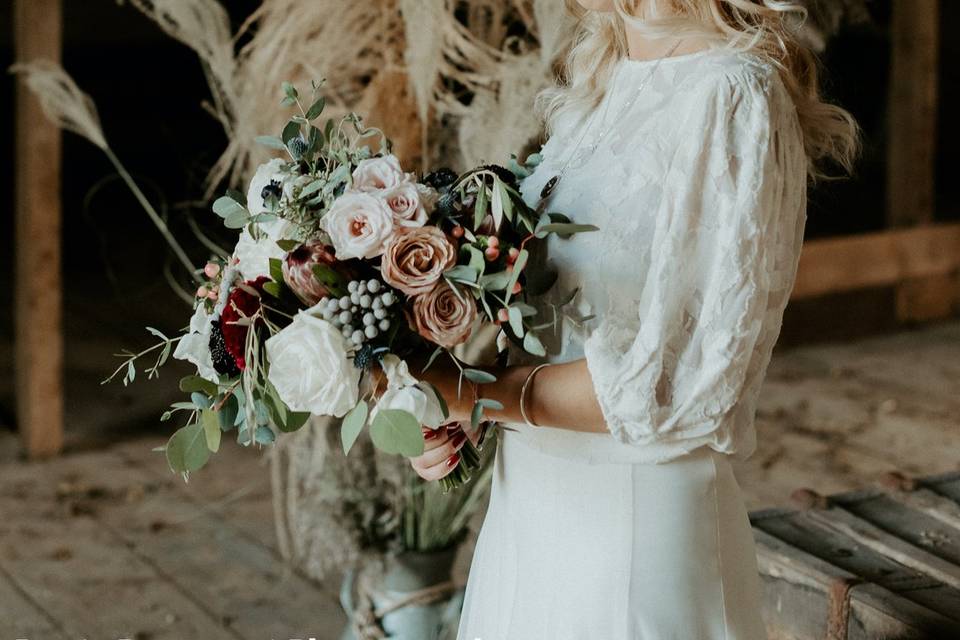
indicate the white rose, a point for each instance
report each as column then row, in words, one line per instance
column 310, row 369
column 405, row 393
column 359, row 225
column 410, row 203
column 378, row 173
column 266, row 173
column 254, row 255
column 194, row 347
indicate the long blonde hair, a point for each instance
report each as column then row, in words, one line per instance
column 768, row 28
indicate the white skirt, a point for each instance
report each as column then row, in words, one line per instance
column 574, row 550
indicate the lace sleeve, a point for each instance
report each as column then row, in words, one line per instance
column 725, row 248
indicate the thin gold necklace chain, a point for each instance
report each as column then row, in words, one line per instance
column 552, row 183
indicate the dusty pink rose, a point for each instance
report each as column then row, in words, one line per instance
column 378, row 173
column 299, row 275
column 415, row 258
column 410, row 203
column 442, row 316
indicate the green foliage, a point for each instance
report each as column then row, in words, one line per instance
column 397, row 431
column 187, row 449
column 352, row 425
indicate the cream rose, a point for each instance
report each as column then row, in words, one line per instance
column 414, row 259
column 310, row 368
column 442, row 315
column 378, row 173
column 359, row 225
column 410, row 203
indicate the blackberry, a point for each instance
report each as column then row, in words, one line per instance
column 440, row 178
column 363, row 357
column 273, row 189
column 223, row 362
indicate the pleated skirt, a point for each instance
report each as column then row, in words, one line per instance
column 574, row 550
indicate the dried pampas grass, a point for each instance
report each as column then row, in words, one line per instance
column 62, row 100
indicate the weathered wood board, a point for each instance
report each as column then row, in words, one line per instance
column 110, row 544
column 881, row 564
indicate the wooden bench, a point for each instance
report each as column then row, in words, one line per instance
column 881, row 564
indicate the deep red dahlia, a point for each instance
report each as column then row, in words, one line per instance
column 240, row 304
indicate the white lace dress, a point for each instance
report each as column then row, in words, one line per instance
column 641, row 532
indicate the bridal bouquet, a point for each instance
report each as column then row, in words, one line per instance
column 345, row 267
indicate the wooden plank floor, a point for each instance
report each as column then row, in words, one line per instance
column 106, row 543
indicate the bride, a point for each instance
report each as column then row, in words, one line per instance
column 686, row 130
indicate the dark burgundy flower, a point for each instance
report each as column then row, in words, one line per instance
column 241, row 303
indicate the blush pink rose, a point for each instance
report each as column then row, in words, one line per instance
column 378, row 173
column 410, row 203
column 443, row 316
column 416, row 258
column 359, row 225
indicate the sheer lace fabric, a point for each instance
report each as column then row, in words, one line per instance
column 700, row 195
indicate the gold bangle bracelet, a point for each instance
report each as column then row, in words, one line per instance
column 523, row 393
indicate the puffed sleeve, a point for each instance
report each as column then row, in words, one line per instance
column 727, row 238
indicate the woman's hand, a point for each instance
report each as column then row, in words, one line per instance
column 440, row 451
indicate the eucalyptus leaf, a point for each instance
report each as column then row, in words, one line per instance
column 211, row 429
column 516, row 321
column 476, row 415
column 316, row 109
column 397, row 431
column 271, row 142
column 518, row 266
column 312, row 188
column 187, row 449
column 490, row 403
column 532, row 344
column 189, row 384
column 236, row 220
column 352, row 425
column 227, row 416
column 480, row 206
column 200, row 400
column 288, row 245
column 496, row 281
column 264, row 435
column 226, row 206
column 478, row 376
column 496, row 203
column 290, row 131
column 564, row 229
column 461, row 272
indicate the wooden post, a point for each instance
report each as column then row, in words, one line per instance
column 38, row 350
column 915, row 39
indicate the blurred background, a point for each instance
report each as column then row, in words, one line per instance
column 865, row 381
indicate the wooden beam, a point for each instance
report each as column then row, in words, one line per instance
column 38, row 351
column 887, row 258
column 915, row 42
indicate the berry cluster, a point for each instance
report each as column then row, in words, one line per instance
column 362, row 314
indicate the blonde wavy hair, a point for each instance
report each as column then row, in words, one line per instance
column 768, row 28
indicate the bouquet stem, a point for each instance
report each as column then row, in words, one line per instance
column 461, row 474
